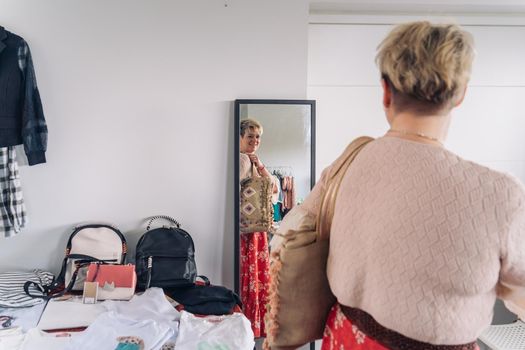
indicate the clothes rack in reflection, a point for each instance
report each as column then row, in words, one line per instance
column 283, row 170
column 284, row 199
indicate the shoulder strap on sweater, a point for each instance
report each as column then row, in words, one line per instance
column 339, row 168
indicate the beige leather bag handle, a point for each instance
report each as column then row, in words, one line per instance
column 327, row 207
column 255, row 172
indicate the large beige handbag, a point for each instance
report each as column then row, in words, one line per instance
column 256, row 209
column 300, row 297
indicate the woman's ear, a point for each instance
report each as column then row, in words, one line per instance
column 387, row 94
column 461, row 98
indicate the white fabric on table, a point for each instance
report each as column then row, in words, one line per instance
column 26, row 317
column 11, row 338
column 214, row 332
column 71, row 313
column 152, row 304
column 110, row 329
column 37, row 340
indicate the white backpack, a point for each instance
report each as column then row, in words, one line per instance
column 87, row 244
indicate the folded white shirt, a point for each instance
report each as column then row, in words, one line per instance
column 152, row 304
column 111, row 331
column 37, row 340
column 214, row 332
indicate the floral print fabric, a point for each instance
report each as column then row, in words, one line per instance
column 255, row 279
column 341, row 334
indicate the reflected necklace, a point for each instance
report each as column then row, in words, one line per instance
column 404, row 132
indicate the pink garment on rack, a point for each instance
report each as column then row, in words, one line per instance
column 288, row 187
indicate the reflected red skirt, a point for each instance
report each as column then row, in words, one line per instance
column 341, row 334
column 255, row 279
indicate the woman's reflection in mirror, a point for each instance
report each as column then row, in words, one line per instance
column 254, row 260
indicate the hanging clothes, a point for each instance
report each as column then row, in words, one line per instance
column 277, row 198
column 12, row 207
column 286, row 197
column 277, row 210
column 22, row 122
column 288, row 187
column 22, row 119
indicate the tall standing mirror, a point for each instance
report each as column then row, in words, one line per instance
column 275, row 143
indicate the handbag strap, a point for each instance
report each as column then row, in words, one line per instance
column 341, row 165
column 163, row 217
column 53, row 291
column 47, row 290
column 255, row 172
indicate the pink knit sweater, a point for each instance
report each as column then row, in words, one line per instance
column 424, row 240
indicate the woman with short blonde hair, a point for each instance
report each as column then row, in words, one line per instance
column 426, row 66
column 250, row 124
column 422, row 241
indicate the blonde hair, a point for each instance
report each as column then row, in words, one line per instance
column 427, row 64
column 250, row 124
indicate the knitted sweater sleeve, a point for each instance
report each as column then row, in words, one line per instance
column 245, row 166
column 511, row 286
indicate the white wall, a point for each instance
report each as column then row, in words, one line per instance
column 488, row 127
column 138, row 99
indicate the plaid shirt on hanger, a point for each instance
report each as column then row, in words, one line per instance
column 12, row 207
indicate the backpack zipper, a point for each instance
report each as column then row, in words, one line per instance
column 150, row 266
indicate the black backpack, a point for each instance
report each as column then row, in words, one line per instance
column 165, row 257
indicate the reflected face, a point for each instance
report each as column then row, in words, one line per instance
column 251, row 140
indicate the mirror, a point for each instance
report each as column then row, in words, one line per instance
column 274, row 142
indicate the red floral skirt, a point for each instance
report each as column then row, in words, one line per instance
column 255, row 279
column 340, row 333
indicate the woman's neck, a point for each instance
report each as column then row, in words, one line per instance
column 432, row 129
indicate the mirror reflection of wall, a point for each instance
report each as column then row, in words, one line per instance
column 286, row 141
column 278, row 138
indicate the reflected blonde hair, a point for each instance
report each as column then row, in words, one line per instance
column 426, row 65
column 250, row 124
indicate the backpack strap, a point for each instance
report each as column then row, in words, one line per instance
column 163, row 217
column 58, row 284
column 205, row 279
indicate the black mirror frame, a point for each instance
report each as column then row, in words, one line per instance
column 236, row 185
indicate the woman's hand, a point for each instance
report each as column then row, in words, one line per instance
column 261, row 169
column 256, row 161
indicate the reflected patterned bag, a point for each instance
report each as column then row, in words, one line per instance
column 256, row 209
